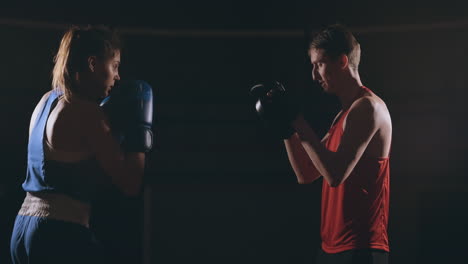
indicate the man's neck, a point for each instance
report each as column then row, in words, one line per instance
column 351, row 88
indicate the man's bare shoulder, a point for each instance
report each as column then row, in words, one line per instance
column 372, row 107
column 366, row 105
column 379, row 101
column 372, row 103
column 381, row 108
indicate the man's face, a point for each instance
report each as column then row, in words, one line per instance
column 325, row 70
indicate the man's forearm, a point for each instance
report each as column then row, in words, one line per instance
column 300, row 162
column 321, row 157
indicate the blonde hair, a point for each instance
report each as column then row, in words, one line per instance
column 76, row 46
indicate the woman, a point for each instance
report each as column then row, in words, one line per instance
column 71, row 150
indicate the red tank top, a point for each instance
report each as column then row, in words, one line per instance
column 354, row 215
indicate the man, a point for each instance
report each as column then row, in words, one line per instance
column 353, row 157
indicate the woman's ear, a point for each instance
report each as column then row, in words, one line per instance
column 92, row 63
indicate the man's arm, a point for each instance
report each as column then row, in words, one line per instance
column 361, row 126
column 300, row 161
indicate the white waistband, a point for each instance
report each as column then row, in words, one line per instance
column 56, row 206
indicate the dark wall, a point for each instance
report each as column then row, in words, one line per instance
column 222, row 188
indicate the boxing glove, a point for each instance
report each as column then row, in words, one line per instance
column 274, row 107
column 129, row 109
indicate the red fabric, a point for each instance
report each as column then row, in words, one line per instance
column 355, row 213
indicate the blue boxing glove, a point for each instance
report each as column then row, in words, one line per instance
column 129, row 109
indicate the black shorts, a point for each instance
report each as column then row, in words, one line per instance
column 361, row 256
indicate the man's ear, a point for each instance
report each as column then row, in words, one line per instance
column 344, row 61
column 92, row 63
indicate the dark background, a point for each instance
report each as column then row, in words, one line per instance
column 220, row 188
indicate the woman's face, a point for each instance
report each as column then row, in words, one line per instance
column 106, row 72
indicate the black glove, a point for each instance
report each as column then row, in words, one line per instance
column 275, row 107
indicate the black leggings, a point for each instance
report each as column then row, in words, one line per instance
column 355, row 256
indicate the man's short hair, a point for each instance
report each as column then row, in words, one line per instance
column 336, row 40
